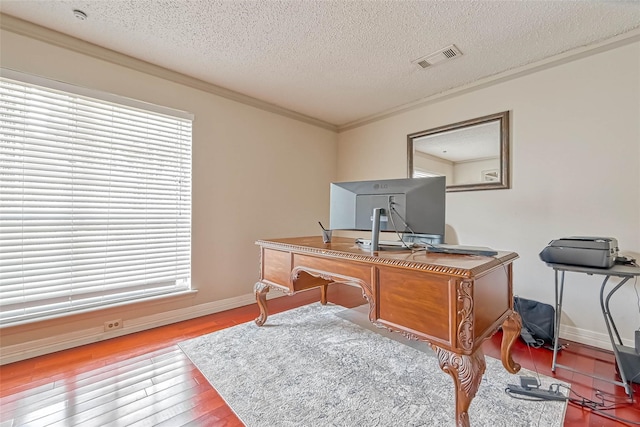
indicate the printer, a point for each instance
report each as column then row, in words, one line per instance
column 598, row 252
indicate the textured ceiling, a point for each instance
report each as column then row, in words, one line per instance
column 336, row 61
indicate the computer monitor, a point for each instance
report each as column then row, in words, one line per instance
column 408, row 205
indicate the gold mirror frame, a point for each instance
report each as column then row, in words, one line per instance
column 501, row 181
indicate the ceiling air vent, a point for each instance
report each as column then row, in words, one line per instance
column 445, row 54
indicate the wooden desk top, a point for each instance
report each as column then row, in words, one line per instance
column 346, row 248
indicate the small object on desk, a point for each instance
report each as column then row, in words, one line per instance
column 462, row 250
column 600, row 252
column 326, row 234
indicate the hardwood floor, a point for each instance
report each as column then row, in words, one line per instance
column 144, row 379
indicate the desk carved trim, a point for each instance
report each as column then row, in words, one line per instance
column 465, row 311
column 367, row 293
column 262, row 288
column 403, row 263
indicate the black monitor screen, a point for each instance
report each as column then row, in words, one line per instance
column 409, row 205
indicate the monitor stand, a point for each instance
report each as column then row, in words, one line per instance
column 375, row 230
column 376, row 245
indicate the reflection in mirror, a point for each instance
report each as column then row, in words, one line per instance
column 473, row 155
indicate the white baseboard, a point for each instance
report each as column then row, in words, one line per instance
column 595, row 339
column 27, row 350
column 65, row 341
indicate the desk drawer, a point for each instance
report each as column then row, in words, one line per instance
column 492, row 298
column 276, row 267
column 417, row 302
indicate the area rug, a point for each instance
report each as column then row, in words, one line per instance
column 327, row 366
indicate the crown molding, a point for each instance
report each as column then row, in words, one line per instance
column 562, row 58
column 29, row 29
column 37, row 32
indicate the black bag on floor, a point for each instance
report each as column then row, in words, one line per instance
column 537, row 321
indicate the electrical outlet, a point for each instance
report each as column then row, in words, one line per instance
column 112, row 324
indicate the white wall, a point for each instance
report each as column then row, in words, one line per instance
column 435, row 165
column 471, row 172
column 256, row 175
column 575, row 144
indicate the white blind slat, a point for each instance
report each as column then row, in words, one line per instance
column 95, row 199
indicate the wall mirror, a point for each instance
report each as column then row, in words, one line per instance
column 473, row 154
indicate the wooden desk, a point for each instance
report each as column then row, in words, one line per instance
column 453, row 302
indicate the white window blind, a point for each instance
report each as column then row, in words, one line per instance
column 95, row 201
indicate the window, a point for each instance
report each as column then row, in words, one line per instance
column 420, row 173
column 95, row 200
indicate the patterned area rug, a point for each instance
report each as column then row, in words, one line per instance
column 328, row 366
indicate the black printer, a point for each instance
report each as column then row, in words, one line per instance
column 598, row 252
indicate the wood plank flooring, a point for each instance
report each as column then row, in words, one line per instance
column 144, row 379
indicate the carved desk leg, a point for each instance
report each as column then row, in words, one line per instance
column 510, row 332
column 466, row 372
column 323, row 294
column 260, row 289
